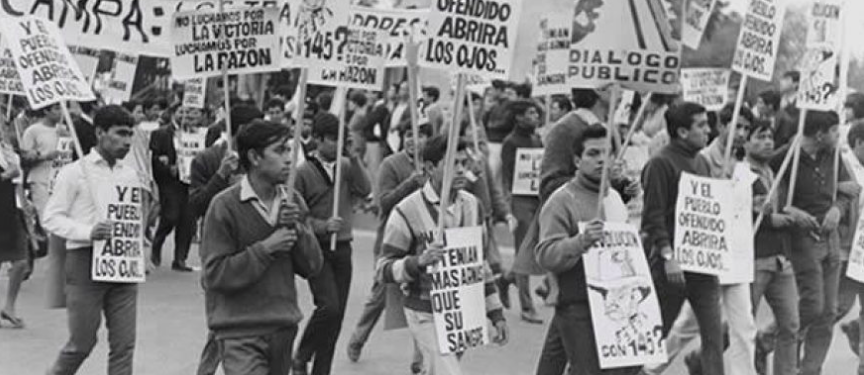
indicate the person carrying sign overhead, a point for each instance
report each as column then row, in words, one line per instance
column 72, row 214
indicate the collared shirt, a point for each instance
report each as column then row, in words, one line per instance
column 270, row 214
column 814, row 190
column 454, row 211
column 716, row 158
column 71, row 211
column 329, row 167
column 588, row 116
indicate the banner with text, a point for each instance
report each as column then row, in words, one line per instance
column 856, row 255
column 238, row 41
column 472, row 37
column 526, row 171
column 697, row 13
column 625, row 310
column 458, row 292
column 321, row 32
column 119, row 89
column 553, row 53
column 396, row 24
column 191, row 144
column 120, row 259
column 819, row 84
column 359, row 62
column 48, row 71
column 10, row 81
column 195, row 93
column 634, row 43
column 703, row 224
column 759, row 39
column 87, row 59
column 706, row 86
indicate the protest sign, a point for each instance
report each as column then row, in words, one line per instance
column 119, row 89
column 706, row 86
column 553, row 53
column 634, row 43
column 475, row 38
column 321, row 32
column 625, row 311
column 759, row 39
column 87, row 59
column 47, row 70
column 65, row 148
column 696, row 15
column 239, row 41
column 359, row 62
column 191, row 144
column 818, row 88
column 526, row 171
column 10, row 81
column 131, row 26
column 458, row 295
column 195, row 93
column 120, row 259
column 703, row 224
column 855, row 270
column 740, row 270
column 397, row 24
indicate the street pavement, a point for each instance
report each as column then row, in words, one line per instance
column 172, row 328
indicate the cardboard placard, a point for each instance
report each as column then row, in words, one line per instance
column 703, row 224
column 697, row 13
column 706, row 86
column 819, row 84
column 191, row 144
column 195, row 93
column 474, row 38
column 458, row 292
column 87, row 59
column 741, row 269
column 10, row 81
column 240, row 41
column 759, row 39
column 120, row 259
column 48, row 71
column 359, row 62
column 553, row 54
column 119, row 89
column 526, row 171
column 65, row 149
column 625, row 310
column 320, row 31
column 396, row 24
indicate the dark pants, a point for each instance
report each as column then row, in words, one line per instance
column 258, row 355
column 847, row 292
column 703, row 293
column 330, row 293
column 372, row 310
column 571, row 332
column 175, row 214
column 210, row 358
column 524, row 212
column 775, row 280
column 817, row 273
column 87, row 301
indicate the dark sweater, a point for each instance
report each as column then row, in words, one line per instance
column 393, row 185
column 770, row 240
column 557, row 167
column 519, row 138
column 316, row 188
column 660, row 181
column 205, row 182
column 249, row 292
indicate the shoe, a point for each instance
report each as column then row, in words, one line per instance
column 504, row 291
column 760, row 359
column 416, row 368
column 181, row 267
column 852, row 332
column 16, row 322
column 354, row 352
column 531, row 317
column 693, row 363
column 157, row 260
column 298, row 368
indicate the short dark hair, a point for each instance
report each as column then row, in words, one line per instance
column 243, row 114
column 436, row 148
column 771, row 98
column 155, row 102
column 325, row 124
column 562, row 102
column 88, row 106
column 499, row 84
column 728, row 110
column 584, row 98
column 41, row 112
column 856, row 133
column 424, row 127
column 433, row 92
column 257, row 136
column 130, row 105
column 324, row 100
column 112, row 115
column 819, row 122
column 591, row 132
column 519, row 107
column 275, row 102
column 855, row 101
column 680, row 116
column 759, row 126
column 794, row 75
column 523, row 90
column 358, row 98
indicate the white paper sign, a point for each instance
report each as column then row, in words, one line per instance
column 10, row 81
column 553, row 54
column 706, row 86
column 359, row 62
column 241, row 41
column 397, row 24
column 48, row 71
column 87, row 59
column 625, row 310
column 759, row 39
column 818, row 88
column 526, row 171
column 458, row 292
column 321, row 31
column 475, row 39
column 195, row 93
column 697, row 13
column 65, row 149
column 742, row 244
column 856, row 255
column 703, row 224
column 119, row 89
column 120, row 259
column 191, row 144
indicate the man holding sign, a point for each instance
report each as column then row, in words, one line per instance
column 73, row 213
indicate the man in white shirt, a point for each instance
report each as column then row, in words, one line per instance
column 39, row 149
column 72, row 214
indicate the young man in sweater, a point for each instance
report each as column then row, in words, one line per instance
column 687, row 126
column 560, row 251
column 408, row 249
column 255, row 240
column 397, row 178
column 315, row 183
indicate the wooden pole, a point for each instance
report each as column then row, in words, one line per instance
column 337, row 182
column 226, row 90
column 548, row 115
column 450, row 156
column 843, row 89
column 610, row 129
column 71, row 125
column 411, row 50
column 728, row 160
column 633, row 127
column 9, row 108
column 300, row 94
column 796, row 143
column 796, row 158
